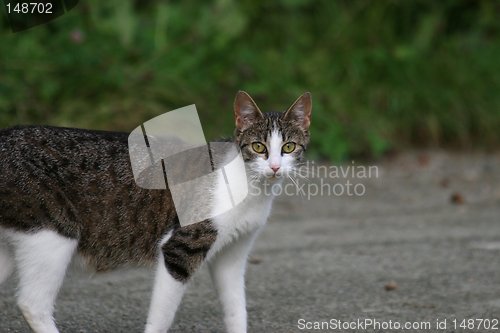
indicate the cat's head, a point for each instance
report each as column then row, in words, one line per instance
column 272, row 143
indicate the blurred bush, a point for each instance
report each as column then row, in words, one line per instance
column 383, row 74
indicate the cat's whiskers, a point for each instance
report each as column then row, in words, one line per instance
column 297, row 172
column 294, row 182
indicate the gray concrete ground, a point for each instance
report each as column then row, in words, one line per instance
column 330, row 257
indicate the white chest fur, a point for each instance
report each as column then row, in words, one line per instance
column 251, row 214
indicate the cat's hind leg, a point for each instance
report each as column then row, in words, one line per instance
column 42, row 259
column 6, row 261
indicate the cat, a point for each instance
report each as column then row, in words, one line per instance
column 65, row 191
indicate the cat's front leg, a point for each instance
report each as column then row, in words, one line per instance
column 227, row 269
column 167, row 295
column 180, row 256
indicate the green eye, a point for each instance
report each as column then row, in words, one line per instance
column 288, row 147
column 258, row 147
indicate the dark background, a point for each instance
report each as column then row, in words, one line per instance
column 385, row 75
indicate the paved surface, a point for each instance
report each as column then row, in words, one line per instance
column 330, row 257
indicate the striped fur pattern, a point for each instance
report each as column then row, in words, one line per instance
column 187, row 248
column 71, row 191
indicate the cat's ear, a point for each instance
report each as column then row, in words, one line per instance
column 246, row 111
column 300, row 111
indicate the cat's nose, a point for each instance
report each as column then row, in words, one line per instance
column 275, row 168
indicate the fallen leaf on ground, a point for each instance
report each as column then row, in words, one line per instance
column 391, row 286
column 457, row 198
column 254, row 260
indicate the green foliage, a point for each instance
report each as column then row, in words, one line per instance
column 383, row 74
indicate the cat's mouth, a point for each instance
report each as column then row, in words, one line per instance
column 274, row 176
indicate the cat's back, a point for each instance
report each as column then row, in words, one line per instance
column 79, row 183
column 49, row 141
column 47, row 147
column 51, row 172
column 56, row 159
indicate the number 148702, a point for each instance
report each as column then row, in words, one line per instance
column 30, row 8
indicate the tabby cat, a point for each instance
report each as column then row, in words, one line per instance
column 65, row 191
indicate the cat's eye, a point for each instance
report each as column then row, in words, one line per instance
column 288, row 147
column 259, row 147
